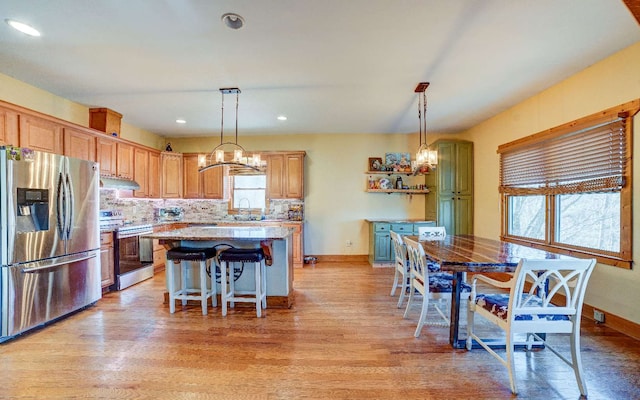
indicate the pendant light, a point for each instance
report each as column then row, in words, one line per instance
column 239, row 164
column 425, row 157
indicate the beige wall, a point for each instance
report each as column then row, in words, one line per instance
column 19, row 93
column 608, row 83
column 336, row 204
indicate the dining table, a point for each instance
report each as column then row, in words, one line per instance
column 459, row 254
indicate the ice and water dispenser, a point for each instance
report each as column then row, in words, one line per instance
column 32, row 210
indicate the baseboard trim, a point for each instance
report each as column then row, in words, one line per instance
column 333, row 258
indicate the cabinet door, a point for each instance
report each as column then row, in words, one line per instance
column 275, row 176
column 213, row 183
column 153, row 175
column 40, row 134
column 8, row 128
column 297, row 244
column 125, row 162
column 140, row 171
column 191, row 177
column 382, row 243
column 447, row 213
column 464, row 169
column 464, row 215
column 446, row 168
column 171, row 177
column 107, row 259
column 107, row 156
column 79, row 144
column 294, row 176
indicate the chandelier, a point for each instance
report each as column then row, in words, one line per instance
column 231, row 153
column 425, row 157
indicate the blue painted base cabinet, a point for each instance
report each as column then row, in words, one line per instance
column 380, row 247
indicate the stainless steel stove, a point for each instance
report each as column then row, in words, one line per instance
column 133, row 253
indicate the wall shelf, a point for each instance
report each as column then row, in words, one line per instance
column 389, row 191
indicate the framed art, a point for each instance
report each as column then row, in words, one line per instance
column 375, row 163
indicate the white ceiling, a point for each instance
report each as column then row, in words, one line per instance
column 330, row 66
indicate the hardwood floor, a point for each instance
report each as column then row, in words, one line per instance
column 344, row 338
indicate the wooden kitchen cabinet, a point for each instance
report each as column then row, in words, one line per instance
column 107, row 156
column 40, row 134
column 8, row 127
column 297, row 243
column 285, row 175
column 451, row 202
column 140, row 171
column 125, row 162
column 107, row 259
column 202, row 185
column 153, row 186
column 79, row 144
column 171, row 176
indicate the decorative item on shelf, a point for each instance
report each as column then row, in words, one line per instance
column 168, row 148
column 375, row 163
column 398, row 162
column 425, row 157
column 239, row 163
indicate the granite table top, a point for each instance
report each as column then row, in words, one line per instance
column 224, row 233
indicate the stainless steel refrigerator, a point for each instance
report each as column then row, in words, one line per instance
column 49, row 239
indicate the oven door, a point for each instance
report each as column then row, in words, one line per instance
column 134, row 261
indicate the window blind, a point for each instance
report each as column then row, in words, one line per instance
column 589, row 159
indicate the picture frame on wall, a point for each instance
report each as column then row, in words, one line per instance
column 375, row 163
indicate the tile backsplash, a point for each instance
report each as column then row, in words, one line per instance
column 146, row 210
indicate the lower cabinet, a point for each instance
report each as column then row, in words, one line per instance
column 298, row 244
column 107, row 259
column 380, row 246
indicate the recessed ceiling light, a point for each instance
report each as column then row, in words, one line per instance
column 233, row 20
column 282, row 118
column 24, row 28
column 181, row 121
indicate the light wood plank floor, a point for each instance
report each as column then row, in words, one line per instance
column 343, row 339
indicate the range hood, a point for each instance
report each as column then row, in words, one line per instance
column 110, row 182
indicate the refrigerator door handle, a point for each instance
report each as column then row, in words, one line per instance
column 38, row 266
column 70, row 203
column 60, row 215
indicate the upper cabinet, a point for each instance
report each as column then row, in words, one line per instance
column 202, row 185
column 171, row 181
column 140, row 171
column 79, row 144
column 285, row 175
column 40, row 134
column 105, row 120
column 107, row 156
column 8, row 127
column 125, row 162
column 153, row 188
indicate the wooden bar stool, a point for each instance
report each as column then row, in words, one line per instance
column 182, row 258
column 230, row 295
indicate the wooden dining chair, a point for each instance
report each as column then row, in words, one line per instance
column 401, row 266
column 545, row 296
column 431, row 285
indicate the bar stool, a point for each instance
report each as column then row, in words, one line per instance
column 183, row 257
column 230, row 295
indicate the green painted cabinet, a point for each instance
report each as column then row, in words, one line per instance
column 451, row 185
column 380, row 247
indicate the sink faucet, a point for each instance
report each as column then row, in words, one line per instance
column 247, row 210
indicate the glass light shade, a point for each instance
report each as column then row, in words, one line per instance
column 432, row 157
column 256, row 161
column 219, row 155
column 202, row 160
column 237, row 155
column 426, row 156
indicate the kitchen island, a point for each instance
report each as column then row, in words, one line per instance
column 276, row 239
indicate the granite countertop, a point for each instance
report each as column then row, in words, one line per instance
column 224, row 233
column 399, row 221
column 226, row 222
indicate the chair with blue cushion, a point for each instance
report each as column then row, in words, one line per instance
column 439, row 286
column 545, row 296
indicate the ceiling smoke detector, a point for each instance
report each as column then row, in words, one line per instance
column 233, row 20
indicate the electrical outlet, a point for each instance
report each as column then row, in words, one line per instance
column 349, row 243
column 598, row 316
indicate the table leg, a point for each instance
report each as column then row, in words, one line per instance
column 455, row 311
